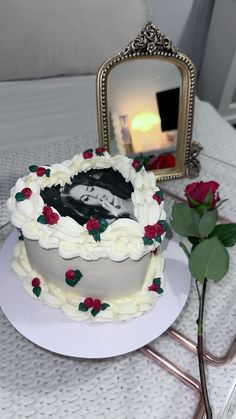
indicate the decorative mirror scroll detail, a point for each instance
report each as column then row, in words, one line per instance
column 150, row 40
column 145, row 103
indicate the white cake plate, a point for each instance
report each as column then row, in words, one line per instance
column 52, row 330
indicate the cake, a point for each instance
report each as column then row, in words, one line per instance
column 90, row 235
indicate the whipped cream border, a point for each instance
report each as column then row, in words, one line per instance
column 122, row 309
column 122, row 239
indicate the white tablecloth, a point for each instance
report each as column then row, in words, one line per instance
column 47, row 121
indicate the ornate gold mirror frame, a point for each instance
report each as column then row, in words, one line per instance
column 152, row 44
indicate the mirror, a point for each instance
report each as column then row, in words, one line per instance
column 145, row 99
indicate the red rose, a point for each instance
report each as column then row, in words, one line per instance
column 136, row 163
column 157, row 198
column 52, row 218
column 197, row 193
column 97, row 304
column 153, row 287
column 40, row 171
column 35, row 282
column 100, row 150
column 47, row 211
column 159, row 229
column 88, row 302
column 164, row 161
column 26, row 192
column 150, row 231
column 70, row 274
column 87, row 154
column 92, row 224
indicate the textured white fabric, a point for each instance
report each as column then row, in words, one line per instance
column 38, row 384
column 42, row 38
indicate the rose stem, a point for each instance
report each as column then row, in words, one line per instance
column 200, row 348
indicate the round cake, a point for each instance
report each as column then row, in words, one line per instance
column 91, row 228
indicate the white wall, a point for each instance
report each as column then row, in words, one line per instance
column 185, row 22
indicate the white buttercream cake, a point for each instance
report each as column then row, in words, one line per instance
column 91, row 228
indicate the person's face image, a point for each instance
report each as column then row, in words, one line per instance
column 91, row 195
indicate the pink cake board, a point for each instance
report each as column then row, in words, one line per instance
column 52, row 330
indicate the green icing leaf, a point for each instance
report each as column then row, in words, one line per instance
column 147, row 241
column 185, row 220
column 104, row 306
column 41, row 219
column 33, row 168
column 78, row 274
column 19, row 197
column 96, row 235
column 94, row 312
column 209, row 259
column 207, row 223
column 37, row 291
column 226, row 233
column 160, row 291
column 72, row 282
column 47, row 173
column 163, row 224
column 157, row 281
column 82, row 307
column 103, row 225
column 139, row 167
column 158, row 239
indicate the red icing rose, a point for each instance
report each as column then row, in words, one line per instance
column 26, row 192
column 164, row 161
column 87, row 154
column 70, row 274
column 97, row 304
column 135, row 163
column 47, row 211
column 40, row 171
column 157, row 198
column 197, row 192
column 153, row 287
column 35, row 282
column 159, row 229
column 150, row 231
column 92, row 224
column 100, row 150
column 52, row 218
column 88, row 302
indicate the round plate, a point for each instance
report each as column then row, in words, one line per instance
column 52, row 330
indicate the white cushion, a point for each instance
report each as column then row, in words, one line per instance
column 42, row 38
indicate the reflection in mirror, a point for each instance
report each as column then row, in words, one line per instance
column 143, row 105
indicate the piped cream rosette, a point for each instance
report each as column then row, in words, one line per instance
column 122, row 239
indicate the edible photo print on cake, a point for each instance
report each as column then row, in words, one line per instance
column 97, row 193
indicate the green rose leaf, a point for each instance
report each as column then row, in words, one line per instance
column 33, row 168
column 157, row 281
column 147, row 241
column 47, row 173
column 37, row 291
column 185, row 220
column 103, row 225
column 94, row 312
column 209, row 259
column 41, row 219
column 160, row 291
column 207, row 223
column 82, row 307
column 158, row 239
column 19, row 197
column 104, row 306
column 226, row 233
column 96, row 235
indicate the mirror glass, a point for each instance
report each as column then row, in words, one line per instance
column 143, row 97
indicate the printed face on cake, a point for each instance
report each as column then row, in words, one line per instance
column 96, row 193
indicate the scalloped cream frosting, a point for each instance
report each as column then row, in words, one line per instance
column 122, row 239
column 122, row 309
